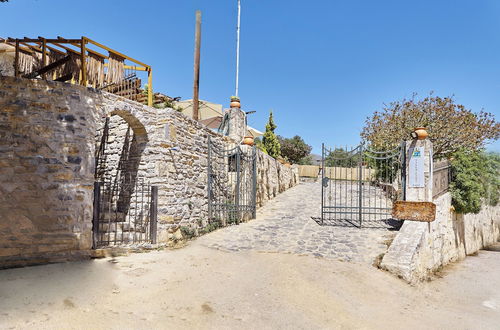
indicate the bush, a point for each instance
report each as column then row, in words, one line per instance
column 475, row 180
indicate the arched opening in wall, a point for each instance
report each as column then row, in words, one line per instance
column 122, row 195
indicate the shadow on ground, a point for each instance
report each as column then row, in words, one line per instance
column 388, row 224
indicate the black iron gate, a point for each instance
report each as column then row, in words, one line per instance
column 125, row 213
column 360, row 184
column 232, row 183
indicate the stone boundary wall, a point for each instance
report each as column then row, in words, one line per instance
column 48, row 134
column 46, row 171
column 273, row 177
column 420, row 249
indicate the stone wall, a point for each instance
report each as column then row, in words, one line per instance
column 50, row 132
column 420, row 249
column 273, row 177
column 46, row 171
column 176, row 158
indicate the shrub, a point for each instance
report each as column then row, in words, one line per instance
column 475, row 180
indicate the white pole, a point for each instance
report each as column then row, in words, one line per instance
column 238, row 47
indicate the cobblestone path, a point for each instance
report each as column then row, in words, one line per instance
column 286, row 225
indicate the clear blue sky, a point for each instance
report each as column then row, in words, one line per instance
column 323, row 66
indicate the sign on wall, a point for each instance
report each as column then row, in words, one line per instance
column 416, row 171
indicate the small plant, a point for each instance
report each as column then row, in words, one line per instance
column 212, row 225
column 188, row 232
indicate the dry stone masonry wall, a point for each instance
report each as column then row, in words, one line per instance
column 46, row 171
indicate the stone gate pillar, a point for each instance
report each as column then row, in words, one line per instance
column 418, row 170
column 237, row 124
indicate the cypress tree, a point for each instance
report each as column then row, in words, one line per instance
column 270, row 141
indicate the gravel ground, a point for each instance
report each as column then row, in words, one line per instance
column 203, row 288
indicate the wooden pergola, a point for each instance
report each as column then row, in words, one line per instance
column 80, row 61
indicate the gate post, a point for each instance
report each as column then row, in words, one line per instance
column 238, row 178
column 254, row 182
column 322, row 182
column 96, row 214
column 418, row 170
column 360, row 178
column 153, row 214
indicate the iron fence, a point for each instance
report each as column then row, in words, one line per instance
column 232, row 182
column 360, row 184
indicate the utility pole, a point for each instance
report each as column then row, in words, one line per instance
column 196, row 87
column 238, row 48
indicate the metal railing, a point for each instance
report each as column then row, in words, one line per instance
column 441, row 177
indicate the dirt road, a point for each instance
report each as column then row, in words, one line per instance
column 199, row 287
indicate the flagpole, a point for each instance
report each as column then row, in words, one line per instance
column 238, row 48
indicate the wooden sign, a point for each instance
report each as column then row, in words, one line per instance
column 414, row 211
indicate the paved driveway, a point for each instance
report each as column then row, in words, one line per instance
column 286, row 225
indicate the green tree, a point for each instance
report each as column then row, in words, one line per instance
column 270, row 140
column 307, row 160
column 475, row 179
column 451, row 126
column 339, row 157
column 294, row 149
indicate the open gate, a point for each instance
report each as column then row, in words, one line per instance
column 232, row 183
column 360, row 184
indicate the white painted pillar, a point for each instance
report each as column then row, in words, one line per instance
column 419, row 170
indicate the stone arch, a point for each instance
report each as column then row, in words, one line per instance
column 120, row 146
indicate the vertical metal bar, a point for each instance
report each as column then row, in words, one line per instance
column 322, row 183
column 346, row 182
column 254, row 182
column 360, row 178
column 109, row 217
column 335, row 165
column 403, row 169
column 238, row 178
column 351, row 169
column 141, row 214
column 238, row 47
column 96, row 214
column 135, row 215
column 153, row 217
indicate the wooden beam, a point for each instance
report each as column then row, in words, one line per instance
column 44, row 56
column 84, row 63
column 115, row 52
column 67, row 48
column 150, row 87
column 196, row 79
column 131, row 67
column 16, row 60
column 47, row 68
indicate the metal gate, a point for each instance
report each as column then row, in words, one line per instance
column 232, row 183
column 360, row 184
column 125, row 213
